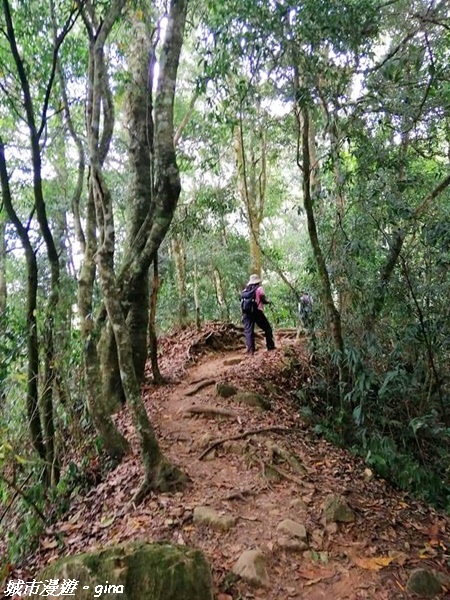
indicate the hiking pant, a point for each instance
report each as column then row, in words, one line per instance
column 249, row 322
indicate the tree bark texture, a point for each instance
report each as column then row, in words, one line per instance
column 152, row 337
column 220, row 294
column 111, row 439
column 333, row 314
column 251, row 171
column 158, row 473
column 167, row 187
column 156, row 184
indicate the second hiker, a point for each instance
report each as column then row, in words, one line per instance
column 253, row 299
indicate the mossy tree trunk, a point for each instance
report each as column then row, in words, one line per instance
column 158, row 473
column 220, row 294
column 111, row 439
column 152, row 337
column 167, row 187
column 156, row 184
column 252, row 175
column 141, row 64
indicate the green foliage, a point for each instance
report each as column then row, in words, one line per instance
column 387, row 418
column 12, row 349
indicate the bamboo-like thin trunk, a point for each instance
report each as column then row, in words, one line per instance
column 3, row 289
column 177, row 247
column 220, row 293
column 198, row 318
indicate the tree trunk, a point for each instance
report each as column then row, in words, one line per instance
column 140, row 126
column 156, row 184
column 198, row 317
column 220, row 293
column 167, row 185
column 152, row 338
column 333, row 314
column 252, row 188
column 114, row 444
column 178, row 249
column 3, row 289
column 112, row 441
column 158, row 473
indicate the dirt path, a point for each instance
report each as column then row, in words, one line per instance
column 237, row 483
column 260, row 481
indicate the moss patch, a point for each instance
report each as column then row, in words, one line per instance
column 146, row 572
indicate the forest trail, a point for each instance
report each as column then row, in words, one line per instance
column 258, row 481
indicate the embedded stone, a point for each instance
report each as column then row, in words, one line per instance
column 251, row 566
column 135, row 571
column 423, row 583
column 292, row 545
column 293, row 529
column 225, row 390
column 235, row 447
column 204, row 515
column 253, row 399
column 298, row 504
column 337, row 510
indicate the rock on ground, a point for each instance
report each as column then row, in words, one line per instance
column 136, row 571
column 251, row 566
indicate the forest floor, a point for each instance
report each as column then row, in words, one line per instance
column 284, row 472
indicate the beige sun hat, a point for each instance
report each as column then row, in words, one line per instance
column 254, row 279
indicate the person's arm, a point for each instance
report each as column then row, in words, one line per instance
column 262, row 297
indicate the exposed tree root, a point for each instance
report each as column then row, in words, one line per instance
column 206, row 409
column 248, row 433
column 216, row 337
column 239, row 494
column 286, row 456
column 200, row 385
column 282, row 473
column 167, row 478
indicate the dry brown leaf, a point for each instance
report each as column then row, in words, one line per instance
column 316, row 574
column 313, row 581
column 48, row 544
column 399, row 557
column 106, row 522
column 374, row 563
column 71, row 526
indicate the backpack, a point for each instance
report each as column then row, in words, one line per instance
column 248, row 300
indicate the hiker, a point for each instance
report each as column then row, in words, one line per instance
column 253, row 299
column 305, row 309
